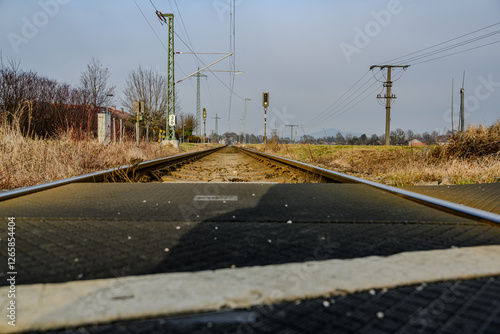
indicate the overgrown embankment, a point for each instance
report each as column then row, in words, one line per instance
column 472, row 157
column 27, row 161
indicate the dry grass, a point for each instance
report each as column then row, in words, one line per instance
column 28, row 161
column 473, row 157
column 476, row 142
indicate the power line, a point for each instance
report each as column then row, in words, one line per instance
column 194, row 90
column 334, row 102
column 185, row 32
column 341, row 109
column 338, row 107
column 364, row 98
column 435, row 45
column 190, row 48
column 208, row 69
column 151, row 25
column 158, row 37
column 210, row 95
column 453, row 46
column 153, row 5
column 349, row 97
column 451, row 54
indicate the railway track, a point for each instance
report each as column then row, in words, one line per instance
column 260, row 237
column 233, row 164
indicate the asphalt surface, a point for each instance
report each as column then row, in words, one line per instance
column 89, row 231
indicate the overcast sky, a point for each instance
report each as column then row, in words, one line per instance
column 306, row 54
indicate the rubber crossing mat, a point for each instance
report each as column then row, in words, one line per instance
column 78, row 233
column 52, row 251
column 480, row 196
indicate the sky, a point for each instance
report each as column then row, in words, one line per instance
column 313, row 57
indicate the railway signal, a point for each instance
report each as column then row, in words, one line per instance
column 265, row 103
column 265, row 100
column 204, row 123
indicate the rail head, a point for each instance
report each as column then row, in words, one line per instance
column 446, row 206
column 102, row 175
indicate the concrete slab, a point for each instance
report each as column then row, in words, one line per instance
column 73, row 304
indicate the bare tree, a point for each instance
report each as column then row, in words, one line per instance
column 94, row 84
column 410, row 135
column 16, row 85
column 186, row 123
column 398, row 137
column 151, row 87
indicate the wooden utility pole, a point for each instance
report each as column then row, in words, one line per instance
column 388, row 97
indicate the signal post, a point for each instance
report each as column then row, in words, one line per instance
column 204, row 121
column 265, row 103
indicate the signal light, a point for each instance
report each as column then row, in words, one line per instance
column 265, row 99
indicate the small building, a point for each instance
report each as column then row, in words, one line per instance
column 415, row 143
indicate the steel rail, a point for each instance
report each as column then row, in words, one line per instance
column 102, row 175
column 442, row 205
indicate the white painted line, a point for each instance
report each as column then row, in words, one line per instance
column 216, row 198
column 51, row 306
column 219, row 182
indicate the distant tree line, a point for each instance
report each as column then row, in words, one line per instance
column 397, row 137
